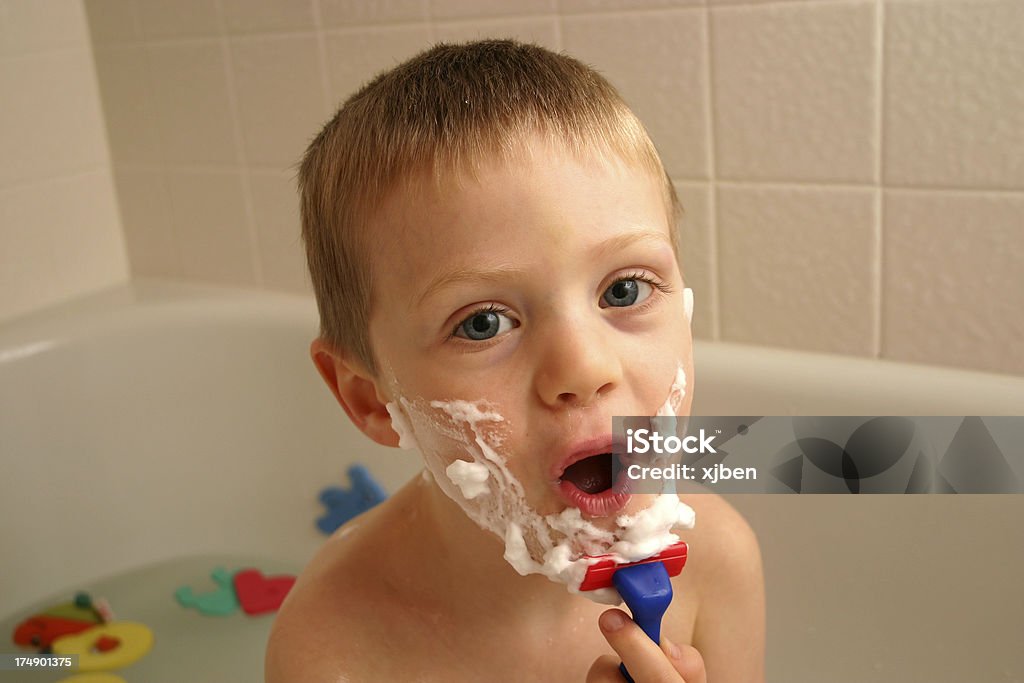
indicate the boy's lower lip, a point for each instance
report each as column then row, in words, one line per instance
column 603, row 504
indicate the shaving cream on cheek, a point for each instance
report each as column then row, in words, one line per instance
column 470, row 477
column 559, row 546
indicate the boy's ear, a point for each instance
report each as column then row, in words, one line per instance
column 356, row 391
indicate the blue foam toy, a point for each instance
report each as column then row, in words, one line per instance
column 647, row 591
column 344, row 504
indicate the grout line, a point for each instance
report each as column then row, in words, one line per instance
column 559, row 28
column 741, row 184
column 709, row 111
column 878, row 273
column 68, row 174
column 626, row 12
column 321, row 51
column 255, row 256
column 431, row 22
column 737, row 4
column 59, row 51
column 178, row 259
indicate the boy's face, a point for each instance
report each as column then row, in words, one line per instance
column 548, row 290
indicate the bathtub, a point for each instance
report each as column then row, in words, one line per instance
column 156, row 423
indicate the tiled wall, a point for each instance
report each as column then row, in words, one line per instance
column 853, row 170
column 60, row 235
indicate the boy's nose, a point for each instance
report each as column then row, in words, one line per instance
column 578, row 365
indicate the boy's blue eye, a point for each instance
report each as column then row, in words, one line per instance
column 627, row 292
column 483, row 325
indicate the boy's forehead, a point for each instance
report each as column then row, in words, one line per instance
column 424, row 204
column 436, row 230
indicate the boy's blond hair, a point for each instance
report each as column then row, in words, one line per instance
column 448, row 110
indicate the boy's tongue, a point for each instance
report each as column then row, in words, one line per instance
column 591, row 475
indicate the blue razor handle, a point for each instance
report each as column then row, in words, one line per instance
column 647, row 591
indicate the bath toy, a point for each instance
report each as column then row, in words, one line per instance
column 344, row 504
column 219, row 602
column 644, row 586
column 100, row 677
column 40, row 630
column 259, row 594
column 128, row 642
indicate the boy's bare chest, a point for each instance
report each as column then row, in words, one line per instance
column 454, row 655
column 411, row 643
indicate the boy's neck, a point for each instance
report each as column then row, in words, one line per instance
column 470, row 567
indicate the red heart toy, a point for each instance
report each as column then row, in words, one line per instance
column 258, row 594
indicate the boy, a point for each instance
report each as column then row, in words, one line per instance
column 492, row 241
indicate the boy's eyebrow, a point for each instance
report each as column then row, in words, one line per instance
column 495, row 274
column 626, row 239
column 498, row 273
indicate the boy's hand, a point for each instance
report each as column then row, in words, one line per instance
column 646, row 662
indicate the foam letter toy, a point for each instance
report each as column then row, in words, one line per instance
column 258, row 593
column 132, row 641
column 344, row 504
column 219, row 602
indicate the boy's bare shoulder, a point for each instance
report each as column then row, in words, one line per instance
column 343, row 613
column 722, row 541
column 312, row 638
column 727, row 577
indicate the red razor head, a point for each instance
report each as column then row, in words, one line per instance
column 599, row 574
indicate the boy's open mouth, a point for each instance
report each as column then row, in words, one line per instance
column 594, row 474
column 597, row 484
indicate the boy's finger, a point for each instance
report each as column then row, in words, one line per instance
column 646, row 662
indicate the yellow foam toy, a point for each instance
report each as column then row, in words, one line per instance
column 93, row 678
column 135, row 641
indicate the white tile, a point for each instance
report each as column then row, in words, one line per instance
column 51, row 116
column 455, row 9
column 129, row 107
column 657, row 62
column 250, row 16
column 280, row 96
column 953, row 289
column 28, row 265
column 148, row 224
column 794, row 92
column 112, row 21
column 540, row 31
column 190, row 89
column 210, row 227
column 179, row 19
column 89, row 242
column 276, row 207
column 795, row 267
column 356, row 56
column 38, row 25
column 697, row 257
column 954, row 94
column 714, row 3
column 339, row 13
column 58, row 239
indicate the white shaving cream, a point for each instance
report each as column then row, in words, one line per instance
column 559, row 546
